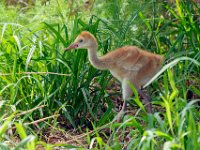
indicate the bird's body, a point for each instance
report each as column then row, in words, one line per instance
column 130, row 62
column 127, row 64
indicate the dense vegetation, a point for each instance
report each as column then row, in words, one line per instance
column 45, row 91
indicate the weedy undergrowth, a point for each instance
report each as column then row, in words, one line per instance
column 41, row 84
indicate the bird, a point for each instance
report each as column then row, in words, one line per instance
column 128, row 64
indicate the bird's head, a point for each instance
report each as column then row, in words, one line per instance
column 84, row 40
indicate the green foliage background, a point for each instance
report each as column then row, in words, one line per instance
column 32, row 39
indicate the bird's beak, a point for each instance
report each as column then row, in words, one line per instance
column 72, row 46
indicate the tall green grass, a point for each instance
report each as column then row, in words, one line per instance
column 69, row 94
column 41, row 82
column 174, row 128
column 176, row 123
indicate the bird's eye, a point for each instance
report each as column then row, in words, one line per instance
column 81, row 40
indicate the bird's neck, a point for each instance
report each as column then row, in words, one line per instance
column 94, row 59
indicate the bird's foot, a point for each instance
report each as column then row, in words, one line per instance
column 121, row 114
column 146, row 101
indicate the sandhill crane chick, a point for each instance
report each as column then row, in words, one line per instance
column 129, row 64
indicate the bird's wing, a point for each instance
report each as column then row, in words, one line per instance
column 128, row 58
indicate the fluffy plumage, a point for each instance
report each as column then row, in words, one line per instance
column 127, row 64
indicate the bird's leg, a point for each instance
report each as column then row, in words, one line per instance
column 126, row 93
column 146, row 101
